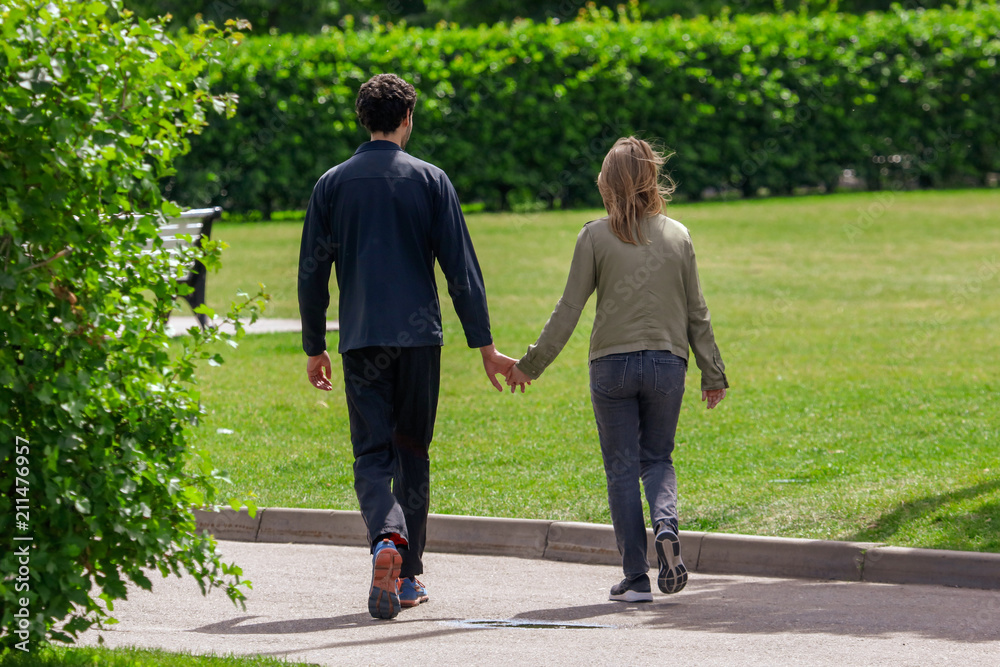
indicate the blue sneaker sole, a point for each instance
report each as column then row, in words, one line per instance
column 413, row 602
column 412, row 594
column 673, row 575
column 383, row 601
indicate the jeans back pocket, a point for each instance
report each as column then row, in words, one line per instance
column 668, row 375
column 608, row 373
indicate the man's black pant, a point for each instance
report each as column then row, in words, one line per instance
column 392, row 396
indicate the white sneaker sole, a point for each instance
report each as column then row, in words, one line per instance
column 632, row 596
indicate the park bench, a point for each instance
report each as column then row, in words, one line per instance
column 196, row 223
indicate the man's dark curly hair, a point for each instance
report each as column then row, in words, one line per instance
column 383, row 102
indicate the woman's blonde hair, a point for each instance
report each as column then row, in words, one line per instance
column 633, row 187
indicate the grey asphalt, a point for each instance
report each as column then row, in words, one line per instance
column 179, row 324
column 308, row 604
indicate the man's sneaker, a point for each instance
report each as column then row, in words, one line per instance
column 411, row 592
column 383, row 600
column 673, row 575
column 634, row 590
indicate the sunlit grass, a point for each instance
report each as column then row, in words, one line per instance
column 59, row 656
column 860, row 335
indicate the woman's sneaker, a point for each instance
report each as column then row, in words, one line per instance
column 673, row 575
column 412, row 592
column 634, row 590
column 383, row 600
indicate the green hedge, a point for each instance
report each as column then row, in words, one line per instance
column 523, row 114
column 309, row 16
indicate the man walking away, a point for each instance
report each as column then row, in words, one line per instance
column 381, row 219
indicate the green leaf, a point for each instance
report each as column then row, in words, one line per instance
column 86, row 369
column 170, row 209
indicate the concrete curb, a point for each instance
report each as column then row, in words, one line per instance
column 524, row 538
column 311, row 526
column 962, row 569
column 595, row 543
column 227, row 524
column 782, row 557
column 708, row 553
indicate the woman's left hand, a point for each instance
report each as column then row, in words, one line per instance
column 713, row 397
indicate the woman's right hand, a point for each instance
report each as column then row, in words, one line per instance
column 516, row 377
column 713, row 396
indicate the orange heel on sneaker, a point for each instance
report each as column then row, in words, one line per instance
column 383, row 599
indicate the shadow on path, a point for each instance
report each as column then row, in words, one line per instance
column 774, row 606
column 708, row 605
column 239, row 625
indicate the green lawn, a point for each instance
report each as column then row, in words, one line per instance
column 862, row 352
column 130, row 657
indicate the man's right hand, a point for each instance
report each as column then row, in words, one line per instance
column 315, row 368
column 495, row 364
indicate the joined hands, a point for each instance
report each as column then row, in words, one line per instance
column 496, row 363
column 319, row 371
column 516, row 377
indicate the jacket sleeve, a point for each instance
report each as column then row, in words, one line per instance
column 699, row 330
column 315, row 261
column 580, row 284
column 453, row 249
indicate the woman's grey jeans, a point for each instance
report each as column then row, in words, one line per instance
column 637, row 400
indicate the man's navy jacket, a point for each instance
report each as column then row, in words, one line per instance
column 382, row 218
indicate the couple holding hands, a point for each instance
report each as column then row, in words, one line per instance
column 381, row 220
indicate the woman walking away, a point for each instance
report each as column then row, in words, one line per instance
column 649, row 310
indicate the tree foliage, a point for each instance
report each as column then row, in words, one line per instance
column 97, row 480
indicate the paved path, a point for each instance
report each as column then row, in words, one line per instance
column 178, row 325
column 309, row 604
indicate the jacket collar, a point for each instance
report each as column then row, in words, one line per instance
column 378, row 145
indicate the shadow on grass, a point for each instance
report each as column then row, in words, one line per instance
column 952, row 529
